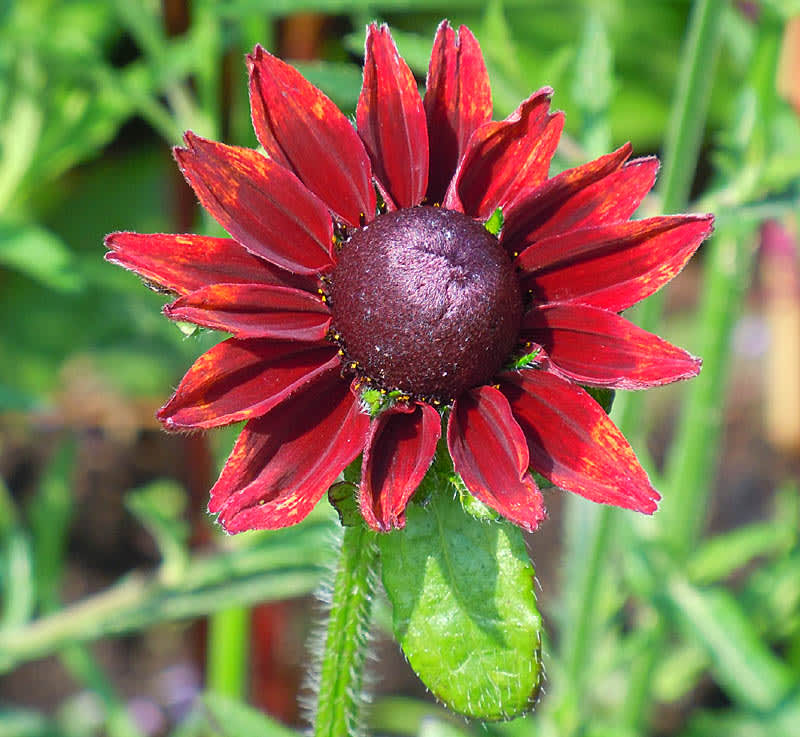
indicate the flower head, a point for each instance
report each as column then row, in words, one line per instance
column 367, row 301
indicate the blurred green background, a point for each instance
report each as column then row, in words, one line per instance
column 687, row 624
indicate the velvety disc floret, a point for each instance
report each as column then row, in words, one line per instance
column 426, row 301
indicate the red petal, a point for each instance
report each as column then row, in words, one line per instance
column 240, row 379
column 612, row 266
column 537, row 207
column 391, row 121
column 184, row 263
column 255, row 311
column 398, row 452
column 507, row 160
column 598, row 347
column 458, row 100
column 301, row 128
column 489, row 452
column 574, row 444
column 261, row 204
column 284, row 462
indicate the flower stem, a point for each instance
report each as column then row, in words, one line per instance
column 228, row 645
column 342, row 665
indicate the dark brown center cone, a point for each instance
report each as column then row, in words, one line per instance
column 426, row 301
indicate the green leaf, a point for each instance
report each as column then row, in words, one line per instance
column 39, row 254
column 233, row 719
column 465, row 608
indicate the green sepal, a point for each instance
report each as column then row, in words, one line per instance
column 188, row 329
column 464, row 608
column 524, row 361
column 495, row 222
column 342, row 497
column 378, row 400
column 604, row 397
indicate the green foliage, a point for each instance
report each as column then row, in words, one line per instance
column 463, row 602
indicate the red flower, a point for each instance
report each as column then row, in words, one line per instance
column 329, row 291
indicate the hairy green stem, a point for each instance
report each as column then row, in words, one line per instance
column 341, row 672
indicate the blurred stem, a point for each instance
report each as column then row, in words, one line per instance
column 587, row 530
column 286, row 565
column 691, row 457
column 589, row 554
column 341, row 673
column 228, row 644
column 684, row 134
column 681, row 148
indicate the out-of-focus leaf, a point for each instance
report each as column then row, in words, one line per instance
column 159, row 506
column 740, row 661
column 232, row 718
column 39, row 254
column 593, row 84
column 719, row 557
column 772, row 594
column 50, row 512
column 27, row 723
column 679, row 671
column 340, row 81
column 783, row 722
column 15, row 399
column 16, row 579
column 432, row 727
column 464, row 608
column 402, row 715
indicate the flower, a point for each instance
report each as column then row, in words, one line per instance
column 367, row 300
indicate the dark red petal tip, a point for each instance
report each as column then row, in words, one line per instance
column 458, row 100
column 399, row 450
column 391, row 121
column 599, row 348
column 255, row 311
column 574, row 444
column 240, row 379
column 260, row 203
column 612, row 266
column 537, row 207
column 505, row 161
column 185, row 263
column 283, row 463
column 303, row 130
column 490, row 454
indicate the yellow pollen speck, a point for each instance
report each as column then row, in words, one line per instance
column 353, row 365
column 340, row 352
